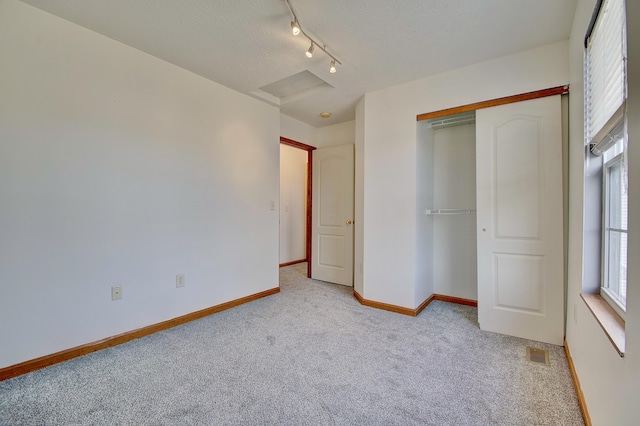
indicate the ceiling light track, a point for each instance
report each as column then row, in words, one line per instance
column 296, row 29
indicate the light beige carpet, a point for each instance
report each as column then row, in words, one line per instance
column 310, row 355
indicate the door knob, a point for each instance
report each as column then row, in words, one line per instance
column 349, row 222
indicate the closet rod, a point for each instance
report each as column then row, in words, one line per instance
column 448, row 211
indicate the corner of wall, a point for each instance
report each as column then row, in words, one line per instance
column 359, row 265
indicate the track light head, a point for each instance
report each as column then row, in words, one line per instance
column 295, row 27
column 309, row 52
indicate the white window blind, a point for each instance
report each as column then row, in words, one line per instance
column 605, row 71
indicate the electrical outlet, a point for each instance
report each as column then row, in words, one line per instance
column 116, row 292
column 180, row 280
column 273, row 206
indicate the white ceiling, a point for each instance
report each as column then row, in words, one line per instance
column 247, row 44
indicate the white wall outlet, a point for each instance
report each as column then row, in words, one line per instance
column 180, row 280
column 116, row 292
column 273, row 206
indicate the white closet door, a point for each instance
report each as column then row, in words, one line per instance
column 519, row 214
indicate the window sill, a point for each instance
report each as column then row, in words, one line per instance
column 609, row 320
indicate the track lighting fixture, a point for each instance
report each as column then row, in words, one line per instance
column 310, row 51
column 296, row 29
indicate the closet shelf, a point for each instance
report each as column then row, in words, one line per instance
column 429, row 212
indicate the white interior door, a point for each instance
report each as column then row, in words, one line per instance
column 519, row 214
column 332, row 223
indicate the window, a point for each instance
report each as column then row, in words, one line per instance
column 614, row 236
column 605, row 134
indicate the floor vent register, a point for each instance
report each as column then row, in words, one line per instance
column 538, row 356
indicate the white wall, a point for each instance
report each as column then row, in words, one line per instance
column 599, row 367
column 610, row 383
column 319, row 137
column 293, row 203
column 389, row 167
column 117, row 168
column 335, row 135
column 296, row 130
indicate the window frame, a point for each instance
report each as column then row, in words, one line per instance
column 610, row 297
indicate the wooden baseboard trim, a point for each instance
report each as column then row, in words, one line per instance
column 392, row 308
column 67, row 354
column 295, row 262
column 458, row 300
column 424, row 304
column 576, row 385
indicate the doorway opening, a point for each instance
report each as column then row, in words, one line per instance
column 307, row 202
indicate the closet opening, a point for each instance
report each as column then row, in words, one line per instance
column 446, row 165
column 491, row 209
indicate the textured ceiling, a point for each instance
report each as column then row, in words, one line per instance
column 247, row 44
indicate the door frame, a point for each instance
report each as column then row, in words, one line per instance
column 309, row 149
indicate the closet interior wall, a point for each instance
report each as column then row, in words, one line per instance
column 446, row 199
